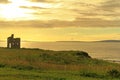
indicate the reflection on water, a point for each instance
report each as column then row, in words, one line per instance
column 101, row 50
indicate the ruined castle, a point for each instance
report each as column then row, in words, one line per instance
column 13, row 42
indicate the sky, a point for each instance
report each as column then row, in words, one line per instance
column 60, row 20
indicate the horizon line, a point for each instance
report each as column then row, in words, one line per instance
column 69, row 40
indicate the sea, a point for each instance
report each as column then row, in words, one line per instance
column 109, row 51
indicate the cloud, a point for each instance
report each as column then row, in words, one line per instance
column 32, row 7
column 106, row 10
column 69, row 13
column 38, row 0
column 4, row 1
column 80, row 22
column 111, row 5
column 43, row 1
column 62, row 10
column 106, row 15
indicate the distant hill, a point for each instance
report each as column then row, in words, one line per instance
column 70, row 41
column 109, row 41
column 93, row 41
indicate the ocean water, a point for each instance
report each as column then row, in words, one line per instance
column 100, row 50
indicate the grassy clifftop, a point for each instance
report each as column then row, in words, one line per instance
column 38, row 64
column 35, row 57
column 46, row 59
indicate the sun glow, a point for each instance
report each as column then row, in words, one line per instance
column 12, row 11
column 23, row 10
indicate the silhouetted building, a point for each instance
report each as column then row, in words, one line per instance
column 13, row 42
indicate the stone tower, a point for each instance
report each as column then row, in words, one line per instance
column 13, row 42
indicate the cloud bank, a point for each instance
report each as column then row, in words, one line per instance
column 68, row 13
column 80, row 22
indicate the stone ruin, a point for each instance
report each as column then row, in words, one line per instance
column 13, row 42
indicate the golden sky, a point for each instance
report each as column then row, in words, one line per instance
column 56, row 20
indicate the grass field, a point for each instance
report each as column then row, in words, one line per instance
column 38, row 64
